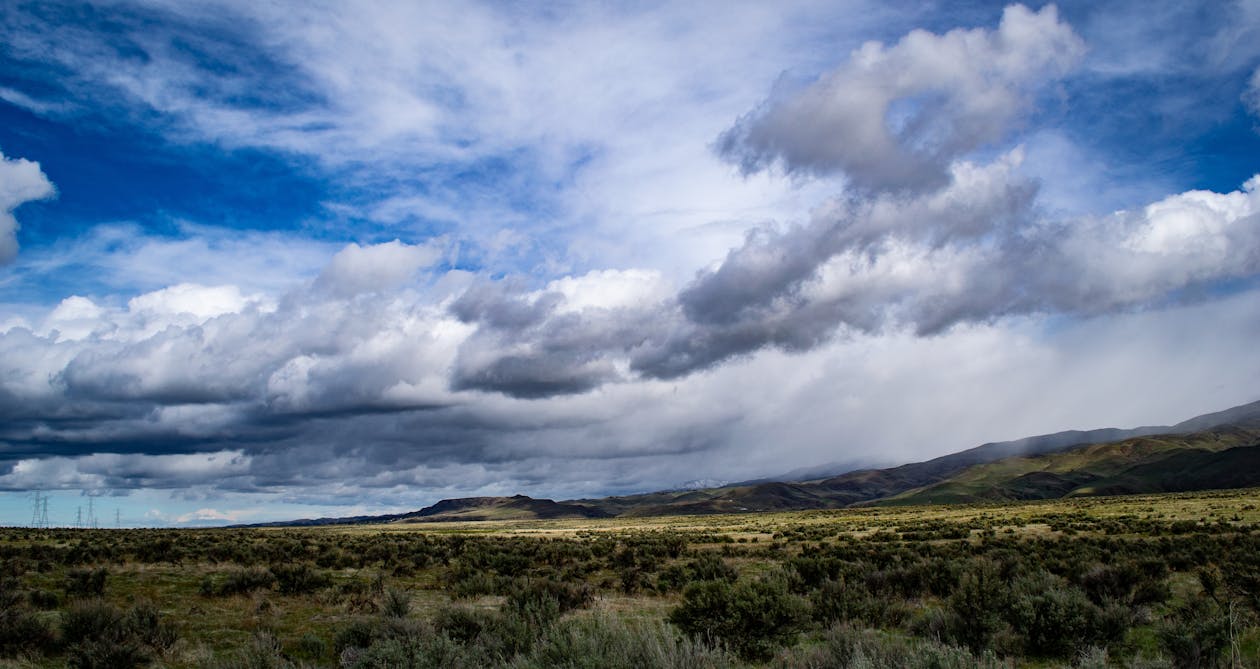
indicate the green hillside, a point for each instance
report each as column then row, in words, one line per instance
column 1196, row 461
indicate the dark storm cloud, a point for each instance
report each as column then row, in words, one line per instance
column 504, row 305
column 526, row 347
column 322, row 386
column 539, row 375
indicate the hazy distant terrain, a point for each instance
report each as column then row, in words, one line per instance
column 1217, row 450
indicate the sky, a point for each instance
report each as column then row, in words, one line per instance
column 264, row 261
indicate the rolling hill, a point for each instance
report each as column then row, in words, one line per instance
column 517, row 507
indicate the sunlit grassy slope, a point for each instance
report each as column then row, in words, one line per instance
column 1220, row 458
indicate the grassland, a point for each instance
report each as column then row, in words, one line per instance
column 1151, row 580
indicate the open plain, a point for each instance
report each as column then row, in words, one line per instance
column 1151, row 580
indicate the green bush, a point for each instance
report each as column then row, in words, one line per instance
column 1196, row 634
column 312, row 646
column 262, row 652
column 299, row 579
column 710, row 567
column 841, row 601
column 467, row 583
column 363, row 632
column 542, row 594
column 46, row 600
column 82, row 582
column 707, row 567
column 417, row 652
column 107, row 653
column 396, row 642
column 463, row 624
column 101, row 636
column 145, row 624
column 22, row 632
column 1054, row 618
column 395, row 603
column 238, row 582
column 751, row 617
column 92, row 619
column 974, row 610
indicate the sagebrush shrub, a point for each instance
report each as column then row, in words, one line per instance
column 20, row 630
column 238, row 582
column 1196, row 634
column 82, row 582
column 299, row 579
column 976, row 607
column 751, row 617
column 101, row 636
column 606, row 642
column 1054, row 618
column 396, row 603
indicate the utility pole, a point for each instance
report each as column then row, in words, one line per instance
column 117, row 519
column 78, row 517
column 43, row 516
column 91, row 513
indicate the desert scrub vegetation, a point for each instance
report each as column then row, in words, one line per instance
column 1157, row 581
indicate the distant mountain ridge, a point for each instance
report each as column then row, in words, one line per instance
column 871, row 485
column 1216, row 450
column 464, row 509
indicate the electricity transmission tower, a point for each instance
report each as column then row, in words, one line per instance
column 35, row 511
column 39, row 511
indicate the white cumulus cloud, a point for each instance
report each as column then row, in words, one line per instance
column 21, row 181
column 895, row 117
column 357, row 269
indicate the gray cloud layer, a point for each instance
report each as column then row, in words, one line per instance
column 973, row 251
